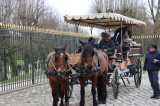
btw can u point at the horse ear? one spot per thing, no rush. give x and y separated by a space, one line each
92 42
82 43
54 48
65 46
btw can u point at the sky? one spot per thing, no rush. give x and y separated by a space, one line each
70 7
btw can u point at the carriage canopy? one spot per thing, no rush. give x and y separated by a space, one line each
103 20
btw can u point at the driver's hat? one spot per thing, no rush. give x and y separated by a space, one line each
104 34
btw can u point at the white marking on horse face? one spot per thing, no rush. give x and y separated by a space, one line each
60 69
61 54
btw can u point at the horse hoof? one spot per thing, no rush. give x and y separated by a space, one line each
99 102
66 104
104 102
95 104
81 104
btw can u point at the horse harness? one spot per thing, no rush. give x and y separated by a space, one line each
55 72
94 69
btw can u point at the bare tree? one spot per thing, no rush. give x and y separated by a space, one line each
153 13
32 13
132 8
29 13
6 10
50 19
97 6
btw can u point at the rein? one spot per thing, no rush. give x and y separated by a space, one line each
54 66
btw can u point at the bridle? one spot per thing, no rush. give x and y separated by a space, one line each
89 50
59 53
55 65
88 53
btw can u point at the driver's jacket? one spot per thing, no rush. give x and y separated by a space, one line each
109 45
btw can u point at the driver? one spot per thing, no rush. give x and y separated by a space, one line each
106 44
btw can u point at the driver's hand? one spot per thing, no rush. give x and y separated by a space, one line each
105 50
155 61
144 72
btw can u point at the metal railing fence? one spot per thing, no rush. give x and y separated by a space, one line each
23 56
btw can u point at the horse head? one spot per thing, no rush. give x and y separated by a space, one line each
87 53
60 58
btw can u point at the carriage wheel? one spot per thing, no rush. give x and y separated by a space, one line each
138 73
115 83
70 88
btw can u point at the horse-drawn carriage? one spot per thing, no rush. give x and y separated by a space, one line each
93 64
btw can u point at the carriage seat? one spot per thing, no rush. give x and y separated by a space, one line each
114 55
74 58
135 49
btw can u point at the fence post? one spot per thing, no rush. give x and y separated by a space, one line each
70 51
31 49
56 40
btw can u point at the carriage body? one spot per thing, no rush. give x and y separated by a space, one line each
114 21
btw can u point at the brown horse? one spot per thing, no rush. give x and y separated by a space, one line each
57 73
93 66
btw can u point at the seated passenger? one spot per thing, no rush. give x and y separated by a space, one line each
125 43
126 35
126 39
106 44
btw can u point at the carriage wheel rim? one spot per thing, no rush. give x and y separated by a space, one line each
115 84
138 75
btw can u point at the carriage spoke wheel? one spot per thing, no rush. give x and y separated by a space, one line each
138 73
115 83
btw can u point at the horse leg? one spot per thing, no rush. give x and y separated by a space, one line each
93 90
66 99
104 89
82 91
66 96
62 94
99 91
54 92
55 98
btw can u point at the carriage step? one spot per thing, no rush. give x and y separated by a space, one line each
119 53
130 55
123 71
112 57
